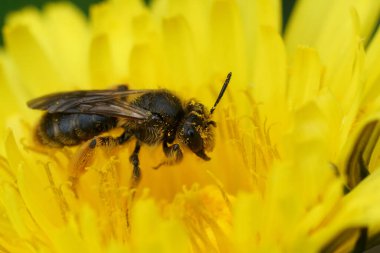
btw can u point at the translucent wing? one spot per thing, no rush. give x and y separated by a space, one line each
102 102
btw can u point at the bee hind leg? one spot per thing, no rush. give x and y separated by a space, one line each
85 155
134 159
135 178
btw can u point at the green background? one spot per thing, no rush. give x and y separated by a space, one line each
7 6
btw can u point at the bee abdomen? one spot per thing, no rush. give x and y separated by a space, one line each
63 129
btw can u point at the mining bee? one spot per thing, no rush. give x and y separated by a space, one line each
150 116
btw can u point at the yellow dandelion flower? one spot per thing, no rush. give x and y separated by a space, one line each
295 165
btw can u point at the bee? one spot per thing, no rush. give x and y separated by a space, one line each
150 116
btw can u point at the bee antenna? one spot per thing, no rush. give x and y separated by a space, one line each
221 92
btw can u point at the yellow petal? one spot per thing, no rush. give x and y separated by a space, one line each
151 233
83 236
112 40
371 70
9 89
269 77
15 209
102 66
34 61
257 15
70 40
358 209
306 23
144 67
358 161
344 79
309 27
248 220
305 77
285 129
181 54
197 23
226 45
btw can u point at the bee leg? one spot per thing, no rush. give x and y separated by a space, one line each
134 159
173 154
122 87
135 178
85 155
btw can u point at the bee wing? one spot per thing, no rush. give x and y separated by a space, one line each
103 102
111 108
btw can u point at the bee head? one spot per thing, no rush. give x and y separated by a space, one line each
197 129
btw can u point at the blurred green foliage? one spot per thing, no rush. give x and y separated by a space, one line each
7 6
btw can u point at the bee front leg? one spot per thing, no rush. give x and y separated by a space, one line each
173 154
